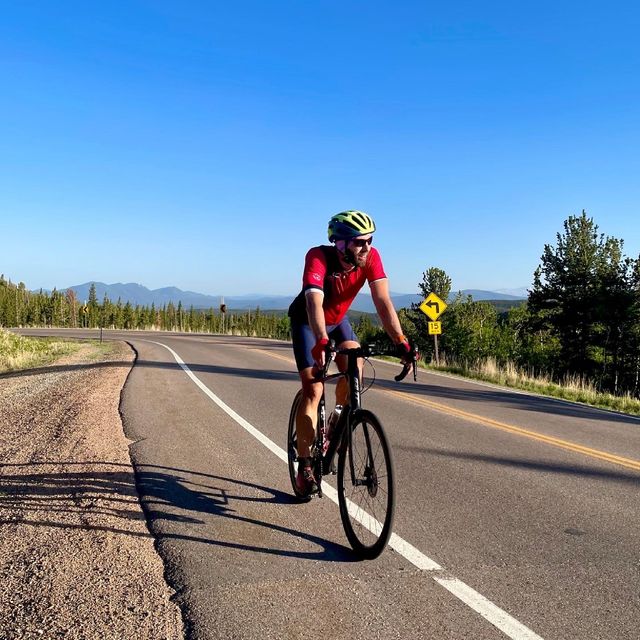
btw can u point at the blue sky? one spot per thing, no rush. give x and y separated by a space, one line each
206 144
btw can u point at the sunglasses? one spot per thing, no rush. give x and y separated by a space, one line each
361 242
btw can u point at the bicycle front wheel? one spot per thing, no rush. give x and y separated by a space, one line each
366 485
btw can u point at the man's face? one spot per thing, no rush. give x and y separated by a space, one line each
359 248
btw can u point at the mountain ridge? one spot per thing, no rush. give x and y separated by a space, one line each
138 294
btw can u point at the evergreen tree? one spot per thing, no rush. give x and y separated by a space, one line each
128 319
581 293
414 322
72 305
435 280
93 316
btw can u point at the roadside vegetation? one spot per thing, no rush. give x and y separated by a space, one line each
571 388
18 352
576 337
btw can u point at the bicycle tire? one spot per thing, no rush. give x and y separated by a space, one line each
366 510
292 448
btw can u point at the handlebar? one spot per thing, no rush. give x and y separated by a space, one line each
366 351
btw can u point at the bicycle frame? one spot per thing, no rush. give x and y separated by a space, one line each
352 374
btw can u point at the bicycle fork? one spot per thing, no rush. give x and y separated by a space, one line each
369 476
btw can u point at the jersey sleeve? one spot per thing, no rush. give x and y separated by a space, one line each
315 270
374 268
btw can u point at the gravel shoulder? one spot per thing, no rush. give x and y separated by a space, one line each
76 557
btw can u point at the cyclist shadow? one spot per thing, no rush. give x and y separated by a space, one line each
180 504
175 495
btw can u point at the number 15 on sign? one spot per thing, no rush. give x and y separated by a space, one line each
435 328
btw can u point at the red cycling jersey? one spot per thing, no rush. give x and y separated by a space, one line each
324 272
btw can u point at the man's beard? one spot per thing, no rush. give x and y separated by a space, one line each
348 256
358 260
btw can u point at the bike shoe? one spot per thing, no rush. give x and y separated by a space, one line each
305 480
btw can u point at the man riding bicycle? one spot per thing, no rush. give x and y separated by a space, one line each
332 277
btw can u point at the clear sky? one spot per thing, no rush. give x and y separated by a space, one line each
206 144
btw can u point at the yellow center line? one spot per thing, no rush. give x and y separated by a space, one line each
556 442
629 463
275 355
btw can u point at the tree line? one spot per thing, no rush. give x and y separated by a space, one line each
581 319
20 307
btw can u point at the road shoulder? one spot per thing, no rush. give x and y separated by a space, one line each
76 557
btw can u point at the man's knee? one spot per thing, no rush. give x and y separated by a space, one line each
311 387
341 361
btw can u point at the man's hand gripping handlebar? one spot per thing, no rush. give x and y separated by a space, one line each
410 360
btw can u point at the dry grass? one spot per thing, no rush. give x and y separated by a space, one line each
18 352
573 388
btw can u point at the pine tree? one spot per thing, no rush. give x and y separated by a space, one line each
583 293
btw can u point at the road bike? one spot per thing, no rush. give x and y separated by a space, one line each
366 492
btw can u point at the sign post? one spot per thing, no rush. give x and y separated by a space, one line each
433 307
223 312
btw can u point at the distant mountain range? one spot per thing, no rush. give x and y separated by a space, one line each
137 294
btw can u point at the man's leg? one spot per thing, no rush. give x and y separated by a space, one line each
306 424
345 338
307 418
342 387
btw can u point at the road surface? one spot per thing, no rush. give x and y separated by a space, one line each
517 516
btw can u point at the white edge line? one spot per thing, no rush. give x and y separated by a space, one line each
489 611
481 605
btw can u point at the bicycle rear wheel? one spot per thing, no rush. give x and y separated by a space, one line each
292 447
366 486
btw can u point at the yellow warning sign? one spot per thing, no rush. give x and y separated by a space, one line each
433 306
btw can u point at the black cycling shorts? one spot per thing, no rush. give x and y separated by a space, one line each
304 339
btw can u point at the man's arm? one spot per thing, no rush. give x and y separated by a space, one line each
315 312
386 310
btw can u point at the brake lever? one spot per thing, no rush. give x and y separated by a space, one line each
408 366
403 374
330 356
415 363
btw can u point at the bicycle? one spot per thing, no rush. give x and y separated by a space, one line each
366 492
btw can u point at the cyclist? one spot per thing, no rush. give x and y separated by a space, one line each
332 277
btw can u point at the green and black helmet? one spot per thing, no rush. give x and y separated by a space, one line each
350 224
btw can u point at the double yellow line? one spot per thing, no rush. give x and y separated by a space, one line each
629 463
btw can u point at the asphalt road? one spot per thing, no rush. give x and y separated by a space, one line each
524 512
